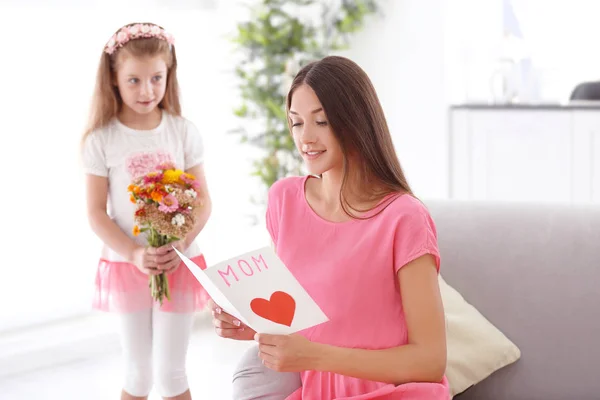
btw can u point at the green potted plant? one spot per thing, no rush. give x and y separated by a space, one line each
278 39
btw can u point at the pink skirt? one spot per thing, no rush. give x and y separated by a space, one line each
122 288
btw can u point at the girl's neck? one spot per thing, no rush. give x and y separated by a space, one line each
142 122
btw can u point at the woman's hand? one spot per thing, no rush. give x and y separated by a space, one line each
228 326
288 353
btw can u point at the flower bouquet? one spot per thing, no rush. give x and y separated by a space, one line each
166 200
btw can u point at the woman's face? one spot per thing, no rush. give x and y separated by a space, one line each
312 133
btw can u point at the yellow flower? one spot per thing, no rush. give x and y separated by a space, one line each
136 230
171 176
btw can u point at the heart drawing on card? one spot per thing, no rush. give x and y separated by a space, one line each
280 308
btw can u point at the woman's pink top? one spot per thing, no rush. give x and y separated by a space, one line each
350 270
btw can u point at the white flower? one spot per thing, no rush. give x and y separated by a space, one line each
169 188
191 193
155 30
178 220
134 30
145 29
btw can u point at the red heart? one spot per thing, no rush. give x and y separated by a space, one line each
280 309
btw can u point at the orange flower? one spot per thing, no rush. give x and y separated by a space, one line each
136 230
157 196
132 199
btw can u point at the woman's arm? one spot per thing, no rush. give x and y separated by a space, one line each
423 359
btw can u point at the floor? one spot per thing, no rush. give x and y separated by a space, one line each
210 364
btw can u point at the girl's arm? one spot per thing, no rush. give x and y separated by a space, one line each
203 212
423 359
100 222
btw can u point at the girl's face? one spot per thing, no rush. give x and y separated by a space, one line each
312 133
142 82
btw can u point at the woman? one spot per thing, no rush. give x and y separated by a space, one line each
362 246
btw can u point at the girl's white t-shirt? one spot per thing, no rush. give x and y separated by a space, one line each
121 154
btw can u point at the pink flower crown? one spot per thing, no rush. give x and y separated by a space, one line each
137 31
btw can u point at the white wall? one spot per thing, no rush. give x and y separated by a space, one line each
403 53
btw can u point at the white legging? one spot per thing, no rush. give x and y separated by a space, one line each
155 341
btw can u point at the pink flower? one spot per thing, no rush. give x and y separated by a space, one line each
170 38
168 204
192 182
155 30
135 29
123 35
153 177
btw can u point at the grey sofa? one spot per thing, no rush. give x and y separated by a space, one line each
533 270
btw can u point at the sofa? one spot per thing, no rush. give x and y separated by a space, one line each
533 271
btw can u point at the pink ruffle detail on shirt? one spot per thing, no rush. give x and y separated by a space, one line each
122 288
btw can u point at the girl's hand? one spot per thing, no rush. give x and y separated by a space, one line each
145 259
288 353
227 326
168 260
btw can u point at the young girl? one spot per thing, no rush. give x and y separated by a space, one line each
363 247
135 125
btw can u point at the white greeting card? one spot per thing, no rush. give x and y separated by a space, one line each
259 290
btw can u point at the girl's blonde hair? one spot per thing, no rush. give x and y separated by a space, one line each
106 101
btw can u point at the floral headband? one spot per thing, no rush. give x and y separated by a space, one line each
137 31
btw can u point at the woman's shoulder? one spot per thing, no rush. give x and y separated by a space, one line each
405 207
288 187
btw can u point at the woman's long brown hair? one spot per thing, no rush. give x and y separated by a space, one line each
356 117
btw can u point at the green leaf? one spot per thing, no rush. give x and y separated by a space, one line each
267 41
